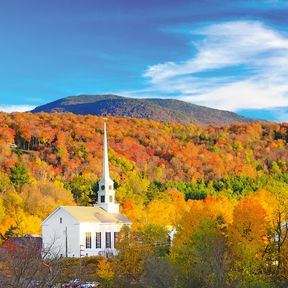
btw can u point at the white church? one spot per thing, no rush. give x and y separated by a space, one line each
77 231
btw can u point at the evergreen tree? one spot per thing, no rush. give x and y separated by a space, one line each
19 175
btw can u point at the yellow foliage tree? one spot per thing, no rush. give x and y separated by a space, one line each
104 270
2 210
248 239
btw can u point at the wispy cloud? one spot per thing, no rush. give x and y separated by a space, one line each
16 108
237 65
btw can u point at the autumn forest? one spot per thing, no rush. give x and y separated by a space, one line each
225 189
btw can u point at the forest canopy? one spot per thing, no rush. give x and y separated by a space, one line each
225 190
58 157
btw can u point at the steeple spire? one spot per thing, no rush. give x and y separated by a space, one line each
106 193
105 156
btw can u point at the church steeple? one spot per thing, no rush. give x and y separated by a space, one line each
106 193
105 156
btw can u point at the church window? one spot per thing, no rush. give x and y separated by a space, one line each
110 198
88 240
98 239
110 187
60 219
115 238
108 239
103 187
102 199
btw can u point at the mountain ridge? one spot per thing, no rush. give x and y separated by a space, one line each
158 109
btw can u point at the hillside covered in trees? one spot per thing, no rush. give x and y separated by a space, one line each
224 188
162 110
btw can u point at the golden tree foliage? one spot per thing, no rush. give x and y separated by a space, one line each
104 270
2 210
248 237
25 211
208 209
249 227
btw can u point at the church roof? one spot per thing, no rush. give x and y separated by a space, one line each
94 214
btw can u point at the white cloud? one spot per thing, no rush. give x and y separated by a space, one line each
259 52
16 108
240 95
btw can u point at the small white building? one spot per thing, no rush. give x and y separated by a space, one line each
77 231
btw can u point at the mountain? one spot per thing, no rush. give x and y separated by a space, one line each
162 110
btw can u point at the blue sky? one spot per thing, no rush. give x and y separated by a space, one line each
230 55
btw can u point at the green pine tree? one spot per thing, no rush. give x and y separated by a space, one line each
19 175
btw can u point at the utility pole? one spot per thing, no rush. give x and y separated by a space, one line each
66 241
80 260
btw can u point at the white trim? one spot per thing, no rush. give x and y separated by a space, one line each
51 214
55 211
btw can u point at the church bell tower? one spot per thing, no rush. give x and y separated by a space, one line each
106 193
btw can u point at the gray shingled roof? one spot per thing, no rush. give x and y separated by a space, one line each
94 214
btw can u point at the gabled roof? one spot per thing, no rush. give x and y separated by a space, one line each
92 214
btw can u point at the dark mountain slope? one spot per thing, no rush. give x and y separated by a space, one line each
162 110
